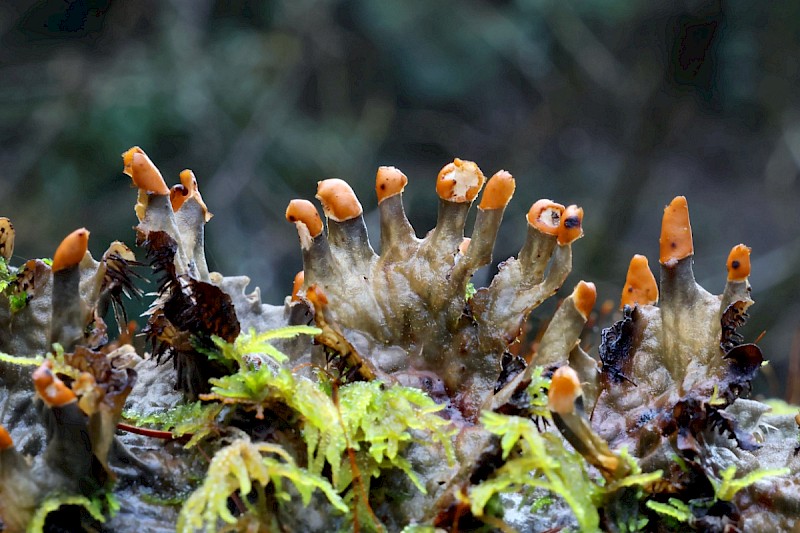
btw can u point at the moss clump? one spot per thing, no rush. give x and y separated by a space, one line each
242 467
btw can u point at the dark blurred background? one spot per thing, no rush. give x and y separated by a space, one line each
616 105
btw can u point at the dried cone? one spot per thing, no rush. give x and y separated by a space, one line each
640 284
71 250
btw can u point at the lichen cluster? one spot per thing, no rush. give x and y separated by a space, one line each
386 393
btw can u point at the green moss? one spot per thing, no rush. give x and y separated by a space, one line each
357 430
17 302
677 512
554 469
165 501
259 344
60 366
200 420
366 417
541 503
235 468
780 407
726 487
675 509
98 508
540 460
379 421
470 291
6 276
21 360
537 394
414 528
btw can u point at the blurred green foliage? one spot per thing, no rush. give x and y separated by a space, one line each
617 105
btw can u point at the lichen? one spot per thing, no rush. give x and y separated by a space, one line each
410 309
386 392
